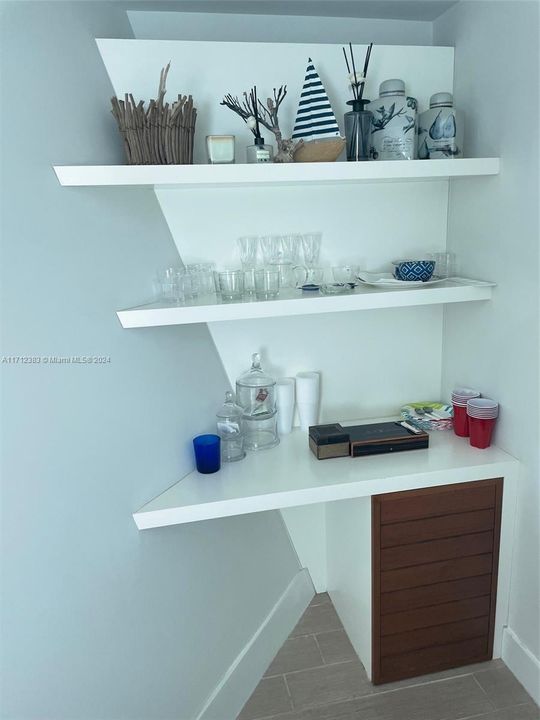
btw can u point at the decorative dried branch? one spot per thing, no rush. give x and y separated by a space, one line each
162 134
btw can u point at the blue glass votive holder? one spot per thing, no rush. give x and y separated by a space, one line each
207 453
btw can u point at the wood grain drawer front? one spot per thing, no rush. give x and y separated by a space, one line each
435 550
434 615
451 499
433 659
445 526
429 637
426 595
435 559
436 572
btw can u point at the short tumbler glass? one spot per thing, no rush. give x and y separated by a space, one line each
266 284
231 285
207 453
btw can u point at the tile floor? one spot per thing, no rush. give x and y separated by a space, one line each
317 676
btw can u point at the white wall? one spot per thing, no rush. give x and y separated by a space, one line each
99 620
277 28
493 228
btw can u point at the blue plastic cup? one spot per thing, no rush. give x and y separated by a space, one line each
207 453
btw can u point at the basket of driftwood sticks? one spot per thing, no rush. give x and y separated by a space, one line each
161 134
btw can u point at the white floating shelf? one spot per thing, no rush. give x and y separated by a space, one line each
273 174
294 302
289 475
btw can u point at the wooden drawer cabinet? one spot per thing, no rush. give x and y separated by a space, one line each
435 558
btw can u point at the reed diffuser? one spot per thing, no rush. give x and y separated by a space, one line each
358 119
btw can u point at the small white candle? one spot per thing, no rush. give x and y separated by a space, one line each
220 149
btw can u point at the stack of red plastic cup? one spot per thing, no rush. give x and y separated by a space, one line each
460 397
482 415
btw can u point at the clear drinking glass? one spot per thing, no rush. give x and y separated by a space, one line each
231 285
271 249
249 280
266 284
287 276
169 285
445 264
290 248
311 242
248 246
345 274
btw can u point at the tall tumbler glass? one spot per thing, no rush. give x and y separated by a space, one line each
358 130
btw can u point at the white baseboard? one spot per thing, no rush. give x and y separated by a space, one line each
523 664
243 676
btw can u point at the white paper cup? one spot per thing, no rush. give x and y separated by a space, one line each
307 388
308 414
285 392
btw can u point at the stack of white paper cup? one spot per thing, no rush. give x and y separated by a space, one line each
307 398
285 404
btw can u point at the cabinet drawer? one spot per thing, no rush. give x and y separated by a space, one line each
444 526
426 595
438 635
433 502
428 660
436 572
434 550
434 615
435 559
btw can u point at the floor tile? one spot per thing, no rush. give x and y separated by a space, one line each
297 653
328 684
518 712
502 688
269 698
316 619
335 646
320 599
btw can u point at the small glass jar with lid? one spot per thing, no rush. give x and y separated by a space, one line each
230 430
256 395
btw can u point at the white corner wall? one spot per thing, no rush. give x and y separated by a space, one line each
97 619
493 229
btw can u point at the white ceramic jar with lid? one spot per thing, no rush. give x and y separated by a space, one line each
440 129
393 127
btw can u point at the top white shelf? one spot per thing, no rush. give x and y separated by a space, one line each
273 174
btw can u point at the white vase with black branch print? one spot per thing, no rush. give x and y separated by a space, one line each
393 128
440 129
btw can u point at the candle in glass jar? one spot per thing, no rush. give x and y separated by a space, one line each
220 149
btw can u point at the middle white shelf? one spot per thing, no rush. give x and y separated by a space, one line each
294 302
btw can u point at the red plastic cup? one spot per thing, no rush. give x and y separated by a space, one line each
461 421
480 431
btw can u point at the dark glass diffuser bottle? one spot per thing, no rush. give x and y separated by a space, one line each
358 130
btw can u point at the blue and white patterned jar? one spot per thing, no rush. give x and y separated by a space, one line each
440 129
393 128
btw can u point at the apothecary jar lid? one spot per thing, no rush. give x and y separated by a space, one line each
441 99
255 376
229 410
392 87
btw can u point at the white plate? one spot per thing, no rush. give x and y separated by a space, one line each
388 280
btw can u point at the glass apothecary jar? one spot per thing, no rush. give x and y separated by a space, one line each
256 395
230 429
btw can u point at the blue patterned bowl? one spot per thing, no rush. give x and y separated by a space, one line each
413 270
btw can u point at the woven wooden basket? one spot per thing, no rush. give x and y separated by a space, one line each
326 150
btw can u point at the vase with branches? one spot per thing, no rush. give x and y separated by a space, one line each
254 113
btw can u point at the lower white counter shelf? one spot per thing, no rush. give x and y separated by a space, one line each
289 475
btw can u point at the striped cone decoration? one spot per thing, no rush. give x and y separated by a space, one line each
315 118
